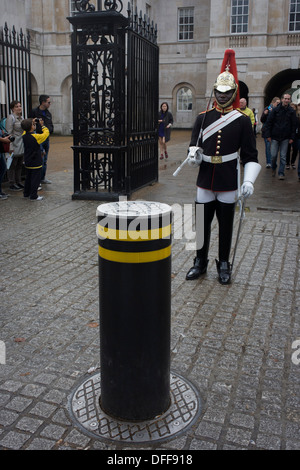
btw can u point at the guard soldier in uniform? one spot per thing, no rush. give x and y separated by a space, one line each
217 137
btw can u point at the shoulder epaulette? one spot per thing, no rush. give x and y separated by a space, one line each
206 111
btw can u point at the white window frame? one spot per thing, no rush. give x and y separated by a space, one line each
148 10
239 17
72 7
186 23
184 99
294 16
133 5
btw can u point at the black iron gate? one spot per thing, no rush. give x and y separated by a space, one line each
15 80
115 99
142 111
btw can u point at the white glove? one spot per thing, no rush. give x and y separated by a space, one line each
194 156
247 189
251 172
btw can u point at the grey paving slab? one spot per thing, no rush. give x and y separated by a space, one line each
237 344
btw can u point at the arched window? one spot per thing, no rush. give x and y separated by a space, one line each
184 99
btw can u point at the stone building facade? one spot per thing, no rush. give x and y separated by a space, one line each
192 38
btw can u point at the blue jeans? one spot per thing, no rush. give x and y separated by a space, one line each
2 168
268 151
45 148
282 147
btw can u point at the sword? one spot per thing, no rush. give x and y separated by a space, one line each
241 202
180 167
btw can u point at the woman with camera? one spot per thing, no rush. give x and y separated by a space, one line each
13 127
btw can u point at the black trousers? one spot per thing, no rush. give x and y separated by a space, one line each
292 149
225 215
32 182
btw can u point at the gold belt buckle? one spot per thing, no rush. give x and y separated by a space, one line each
216 159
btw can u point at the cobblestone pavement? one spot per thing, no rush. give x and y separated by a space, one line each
238 344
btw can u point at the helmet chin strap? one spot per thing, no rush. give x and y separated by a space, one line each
229 102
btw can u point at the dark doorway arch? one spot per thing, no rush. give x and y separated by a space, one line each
244 90
281 83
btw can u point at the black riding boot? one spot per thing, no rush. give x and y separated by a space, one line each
225 215
201 261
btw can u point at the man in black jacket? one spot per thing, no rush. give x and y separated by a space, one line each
42 112
280 130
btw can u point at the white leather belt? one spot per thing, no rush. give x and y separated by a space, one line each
220 158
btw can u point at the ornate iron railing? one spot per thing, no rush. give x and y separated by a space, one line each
115 99
15 69
87 6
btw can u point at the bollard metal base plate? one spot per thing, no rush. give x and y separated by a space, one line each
85 411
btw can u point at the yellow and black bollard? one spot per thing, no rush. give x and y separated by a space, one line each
134 242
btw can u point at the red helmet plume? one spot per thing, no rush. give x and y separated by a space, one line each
229 65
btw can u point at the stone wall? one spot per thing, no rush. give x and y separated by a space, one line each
267 56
